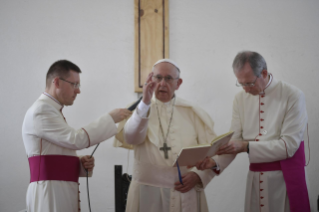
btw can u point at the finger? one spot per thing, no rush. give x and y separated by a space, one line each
224 146
222 152
203 166
150 86
177 183
198 164
84 158
89 167
178 188
149 77
88 164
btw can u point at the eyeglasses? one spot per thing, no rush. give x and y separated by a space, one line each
250 84
75 85
168 79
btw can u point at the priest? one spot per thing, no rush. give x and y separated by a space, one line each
157 130
269 120
51 143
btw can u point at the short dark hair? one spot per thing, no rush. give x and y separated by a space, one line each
61 68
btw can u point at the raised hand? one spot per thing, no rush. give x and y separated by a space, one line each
190 179
120 114
148 89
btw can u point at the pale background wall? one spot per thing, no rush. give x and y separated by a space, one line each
98 36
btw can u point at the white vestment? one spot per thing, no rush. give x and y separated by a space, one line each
152 186
274 123
45 132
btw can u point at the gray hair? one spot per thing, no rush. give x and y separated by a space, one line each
255 60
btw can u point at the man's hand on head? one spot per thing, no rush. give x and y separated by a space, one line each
87 162
120 114
233 147
148 89
190 179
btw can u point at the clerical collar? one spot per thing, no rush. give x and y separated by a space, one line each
270 80
54 99
164 103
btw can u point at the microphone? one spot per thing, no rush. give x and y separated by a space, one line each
134 105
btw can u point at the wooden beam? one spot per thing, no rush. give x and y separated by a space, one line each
151 37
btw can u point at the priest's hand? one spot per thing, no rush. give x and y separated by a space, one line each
148 89
190 179
120 114
87 162
233 147
207 163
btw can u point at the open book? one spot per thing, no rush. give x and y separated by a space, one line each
189 156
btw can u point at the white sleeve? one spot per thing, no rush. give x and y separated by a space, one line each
135 129
142 109
50 125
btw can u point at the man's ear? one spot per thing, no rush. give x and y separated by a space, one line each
264 73
56 82
179 82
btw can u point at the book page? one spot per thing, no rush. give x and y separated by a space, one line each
189 156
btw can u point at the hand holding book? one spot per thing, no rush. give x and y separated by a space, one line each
190 156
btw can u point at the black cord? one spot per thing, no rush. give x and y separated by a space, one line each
131 108
87 188
87 179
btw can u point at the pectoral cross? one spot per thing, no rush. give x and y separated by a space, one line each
165 149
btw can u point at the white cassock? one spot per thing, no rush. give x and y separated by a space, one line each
46 132
152 186
274 123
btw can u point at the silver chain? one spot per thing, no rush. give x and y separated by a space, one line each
169 124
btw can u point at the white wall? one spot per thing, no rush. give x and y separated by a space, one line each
205 35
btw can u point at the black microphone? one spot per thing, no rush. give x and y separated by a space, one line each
133 106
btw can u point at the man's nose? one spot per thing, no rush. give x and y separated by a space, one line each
77 90
163 82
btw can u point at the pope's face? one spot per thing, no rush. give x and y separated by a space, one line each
164 91
67 92
246 75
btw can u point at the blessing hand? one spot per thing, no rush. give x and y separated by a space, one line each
190 179
148 89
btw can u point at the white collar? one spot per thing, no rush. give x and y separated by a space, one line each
270 80
54 99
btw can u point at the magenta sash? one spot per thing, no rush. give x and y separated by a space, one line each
54 167
293 170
